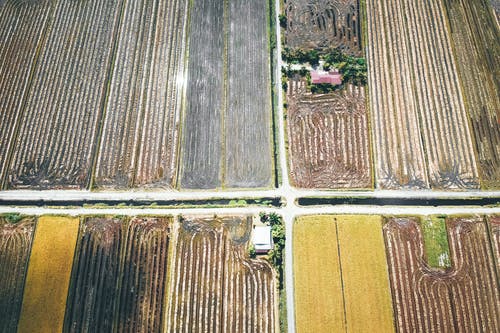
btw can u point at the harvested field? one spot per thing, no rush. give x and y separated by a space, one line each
55 149
494 227
248 121
476 38
341 278
15 246
140 132
202 125
421 130
214 287
22 26
464 298
119 277
227 131
48 275
328 138
316 24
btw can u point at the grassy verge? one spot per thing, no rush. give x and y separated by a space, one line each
435 238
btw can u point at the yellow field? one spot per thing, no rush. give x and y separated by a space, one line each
352 292
318 288
364 273
49 271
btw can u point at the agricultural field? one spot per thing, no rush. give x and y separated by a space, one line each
16 238
214 286
420 122
138 147
314 24
48 276
22 29
463 298
340 275
55 149
140 274
476 40
226 138
328 138
119 276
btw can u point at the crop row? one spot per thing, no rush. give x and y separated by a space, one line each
214 287
422 136
15 246
100 87
476 40
328 138
226 137
140 132
464 298
119 276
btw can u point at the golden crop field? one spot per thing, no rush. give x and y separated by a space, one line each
318 292
341 272
49 272
364 274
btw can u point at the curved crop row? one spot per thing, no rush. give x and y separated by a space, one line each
15 246
214 287
324 24
464 298
119 276
328 138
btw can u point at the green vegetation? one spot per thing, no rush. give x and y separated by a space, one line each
12 217
436 241
276 258
353 69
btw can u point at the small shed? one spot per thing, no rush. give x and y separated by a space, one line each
262 239
332 77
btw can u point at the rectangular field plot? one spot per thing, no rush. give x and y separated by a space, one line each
463 298
16 238
140 133
420 124
340 275
328 138
313 24
476 38
59 126
48 275
226 139
119 276
214 286
22 27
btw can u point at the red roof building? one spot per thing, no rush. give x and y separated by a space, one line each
332 77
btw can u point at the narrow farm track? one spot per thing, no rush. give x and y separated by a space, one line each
22 30
476 39
328 137
119 276
15 246
248 120
419 115
213 286
202 125
462 299
494 228
54 148
140 133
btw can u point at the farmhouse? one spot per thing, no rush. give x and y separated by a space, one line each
262 240
331 77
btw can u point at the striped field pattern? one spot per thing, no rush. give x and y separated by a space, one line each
421 128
